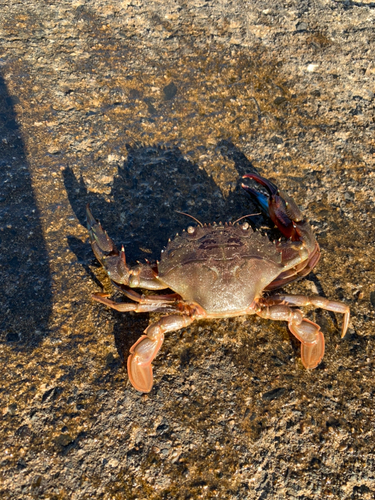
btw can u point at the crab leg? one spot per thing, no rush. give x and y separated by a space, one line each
307 332
141 306
146 348
317 301
297 272
114 262
133 295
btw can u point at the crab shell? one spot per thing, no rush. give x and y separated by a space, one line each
222 268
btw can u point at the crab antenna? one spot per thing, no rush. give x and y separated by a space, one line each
188 215
248 215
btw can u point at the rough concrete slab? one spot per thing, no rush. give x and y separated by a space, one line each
145 108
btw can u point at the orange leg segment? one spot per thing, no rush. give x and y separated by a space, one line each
317 301
307 332
144 351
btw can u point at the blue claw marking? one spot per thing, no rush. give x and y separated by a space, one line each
260 198
280 207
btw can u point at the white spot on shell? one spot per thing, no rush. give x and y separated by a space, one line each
191 230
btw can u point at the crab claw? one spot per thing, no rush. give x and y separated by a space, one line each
282 209
105 250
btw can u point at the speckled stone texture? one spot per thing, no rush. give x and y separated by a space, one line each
142 108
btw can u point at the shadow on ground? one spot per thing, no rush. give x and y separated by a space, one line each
150 187
25 282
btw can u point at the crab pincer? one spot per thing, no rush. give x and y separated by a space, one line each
114 261
105 250
285 214
281 208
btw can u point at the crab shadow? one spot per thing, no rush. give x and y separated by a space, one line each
140 213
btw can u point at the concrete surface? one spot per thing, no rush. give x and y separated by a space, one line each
144 108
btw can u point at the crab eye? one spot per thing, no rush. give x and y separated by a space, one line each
245 226
191 230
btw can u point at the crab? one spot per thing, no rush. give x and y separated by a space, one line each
220 271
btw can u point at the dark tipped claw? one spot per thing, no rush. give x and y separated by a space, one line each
91 221
270 186
282 209
100 240
105 250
